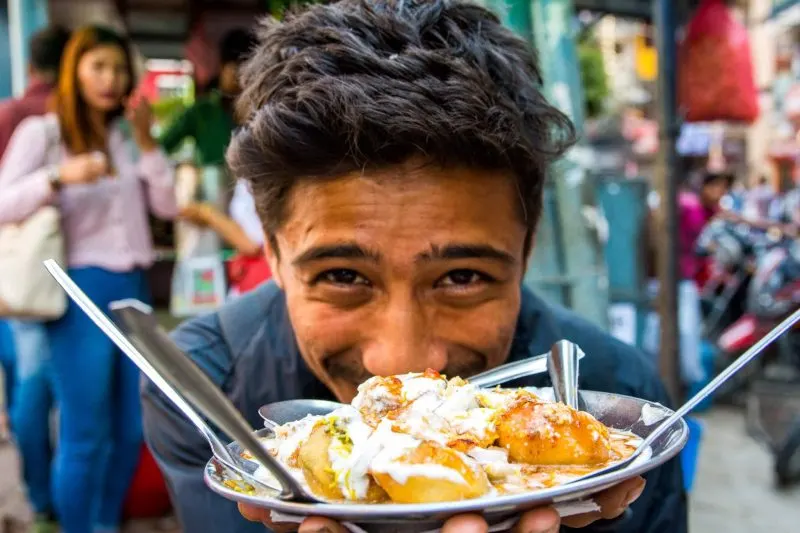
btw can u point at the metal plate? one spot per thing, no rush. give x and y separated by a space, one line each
616 411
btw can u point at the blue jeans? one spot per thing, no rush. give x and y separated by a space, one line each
32 405
7 363
97 387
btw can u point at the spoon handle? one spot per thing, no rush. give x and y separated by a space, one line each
510 371
111 330
686 408
165 356
164 377
562 364
733 368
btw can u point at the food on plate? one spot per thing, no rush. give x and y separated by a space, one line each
421 438
545 433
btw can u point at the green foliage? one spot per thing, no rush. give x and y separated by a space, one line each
593 75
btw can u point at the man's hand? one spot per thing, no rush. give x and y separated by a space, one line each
613 502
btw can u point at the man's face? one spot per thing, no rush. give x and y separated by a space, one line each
401 270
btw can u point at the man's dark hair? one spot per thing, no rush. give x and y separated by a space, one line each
46 48
363 84
236 46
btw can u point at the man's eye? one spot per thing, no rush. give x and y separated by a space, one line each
463 277
342 276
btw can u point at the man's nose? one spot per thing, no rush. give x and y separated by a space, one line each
403 342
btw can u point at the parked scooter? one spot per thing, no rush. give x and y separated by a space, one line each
735 250
771 388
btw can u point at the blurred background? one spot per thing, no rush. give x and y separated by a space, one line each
672 98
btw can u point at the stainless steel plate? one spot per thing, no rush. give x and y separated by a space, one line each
616 411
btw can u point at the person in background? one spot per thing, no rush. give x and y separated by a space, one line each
242 230
210 122
399 225
45 49
759 199
696 207
103 189
29 377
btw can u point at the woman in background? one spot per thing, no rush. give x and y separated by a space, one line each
103 181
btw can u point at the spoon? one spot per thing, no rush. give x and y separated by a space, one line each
219 449
562 364
151 349
695 400
278 413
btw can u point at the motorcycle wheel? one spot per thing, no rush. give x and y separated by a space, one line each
787 458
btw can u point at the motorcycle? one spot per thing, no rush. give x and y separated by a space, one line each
771 384
735 250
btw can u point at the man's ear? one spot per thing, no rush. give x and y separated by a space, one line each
272 259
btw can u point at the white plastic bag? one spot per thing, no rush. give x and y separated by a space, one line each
199 283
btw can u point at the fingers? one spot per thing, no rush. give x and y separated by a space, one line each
612 502
539 521
254 514
466 523
321 525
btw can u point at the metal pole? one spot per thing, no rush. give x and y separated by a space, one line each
666 180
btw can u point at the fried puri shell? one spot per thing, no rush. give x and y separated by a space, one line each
431 489
314 460
538 433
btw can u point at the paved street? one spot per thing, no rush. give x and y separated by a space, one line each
733 490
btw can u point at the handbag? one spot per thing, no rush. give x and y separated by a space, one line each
27 290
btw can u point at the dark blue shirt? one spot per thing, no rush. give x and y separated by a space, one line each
248 349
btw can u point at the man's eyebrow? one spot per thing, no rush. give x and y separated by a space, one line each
335 251
467 251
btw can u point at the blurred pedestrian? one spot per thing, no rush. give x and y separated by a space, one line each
45 49
30 389
211 120
759 199
698 203
103 181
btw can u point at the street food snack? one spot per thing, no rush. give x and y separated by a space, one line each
421 438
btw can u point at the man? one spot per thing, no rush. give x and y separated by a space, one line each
210 121
397 152
46 47
32 400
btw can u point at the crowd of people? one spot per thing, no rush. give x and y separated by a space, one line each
80 139
397 156
706 197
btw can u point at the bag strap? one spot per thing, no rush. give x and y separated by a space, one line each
52 138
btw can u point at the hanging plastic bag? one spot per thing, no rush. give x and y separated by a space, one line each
199 279
715 69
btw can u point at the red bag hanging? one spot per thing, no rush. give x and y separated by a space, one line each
715 69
